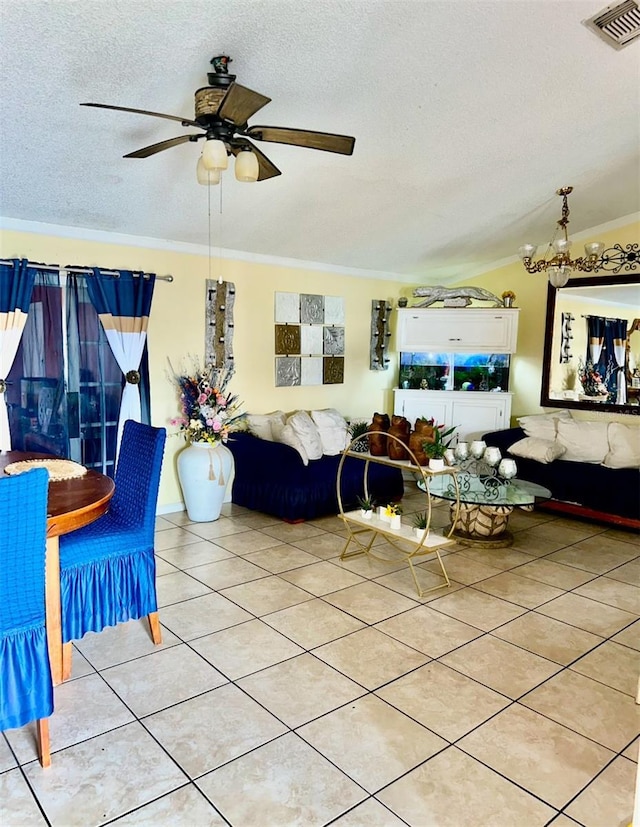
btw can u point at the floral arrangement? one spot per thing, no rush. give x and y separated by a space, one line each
393 510
209 412
592 382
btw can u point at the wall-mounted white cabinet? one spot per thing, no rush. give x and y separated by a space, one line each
472 413
457 330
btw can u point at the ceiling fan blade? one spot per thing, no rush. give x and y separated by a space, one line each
266 167
326 141
240 104
183 121
153 148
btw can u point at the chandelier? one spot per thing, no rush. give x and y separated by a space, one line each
561 265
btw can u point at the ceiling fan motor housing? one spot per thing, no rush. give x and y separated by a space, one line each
208 100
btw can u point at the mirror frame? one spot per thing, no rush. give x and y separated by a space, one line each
545 400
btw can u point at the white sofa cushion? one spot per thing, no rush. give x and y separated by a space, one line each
305 429
541 450
332 427
585 441
543 426
624 446
260 425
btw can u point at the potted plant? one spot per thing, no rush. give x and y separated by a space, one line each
420 525
435 450
393 512
366 507
356 430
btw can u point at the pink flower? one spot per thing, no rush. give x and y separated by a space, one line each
202 398
217 426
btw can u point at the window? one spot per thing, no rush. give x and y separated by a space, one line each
64 390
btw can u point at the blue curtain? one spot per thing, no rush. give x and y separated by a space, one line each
16 286
615 340
606 340
123 305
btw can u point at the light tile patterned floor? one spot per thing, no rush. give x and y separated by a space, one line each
293 689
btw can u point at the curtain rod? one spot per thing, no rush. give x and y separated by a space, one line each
83 270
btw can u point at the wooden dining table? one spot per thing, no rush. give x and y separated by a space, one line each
71 504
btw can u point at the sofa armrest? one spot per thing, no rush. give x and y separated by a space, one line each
504 439
260 457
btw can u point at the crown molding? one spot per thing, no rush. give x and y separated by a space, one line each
122 239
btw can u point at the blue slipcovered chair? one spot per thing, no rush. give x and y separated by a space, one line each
107 568
26 690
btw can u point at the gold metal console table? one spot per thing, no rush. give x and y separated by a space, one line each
430 543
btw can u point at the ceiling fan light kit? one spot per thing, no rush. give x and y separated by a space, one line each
205 176
561 265
247 167
214 154
222 110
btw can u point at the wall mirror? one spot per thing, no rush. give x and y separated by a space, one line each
584 320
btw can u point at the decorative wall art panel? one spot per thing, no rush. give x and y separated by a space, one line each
333 370
311 340
380 333
334 310
287 339
219 302
333 341
287 371
311 327
311 371
287 308
311 309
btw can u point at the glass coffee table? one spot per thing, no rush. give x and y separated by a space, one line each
486 504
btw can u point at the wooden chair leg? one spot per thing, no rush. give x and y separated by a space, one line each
67 654
44 747
154 628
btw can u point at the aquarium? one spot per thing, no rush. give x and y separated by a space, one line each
455 371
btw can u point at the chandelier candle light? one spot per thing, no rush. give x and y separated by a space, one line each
561 265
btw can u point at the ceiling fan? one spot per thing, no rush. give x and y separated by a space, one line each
222 110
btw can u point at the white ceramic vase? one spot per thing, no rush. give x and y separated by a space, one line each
204 472
420 533
395 522
436 464
366 513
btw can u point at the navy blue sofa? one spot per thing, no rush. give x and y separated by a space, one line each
272 478
583 489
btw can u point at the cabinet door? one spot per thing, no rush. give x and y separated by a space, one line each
415 404
476 416
457 331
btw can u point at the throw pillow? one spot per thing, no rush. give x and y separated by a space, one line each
585 441
624 446
543 426
306 431
287 436
541 450
332 427
260 425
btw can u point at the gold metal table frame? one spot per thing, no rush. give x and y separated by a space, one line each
356 525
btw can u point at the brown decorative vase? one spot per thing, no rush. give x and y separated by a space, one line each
400 428
423 432
378 441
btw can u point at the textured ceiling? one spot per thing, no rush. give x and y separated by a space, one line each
467 114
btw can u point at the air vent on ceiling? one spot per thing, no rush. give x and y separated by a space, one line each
618 25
